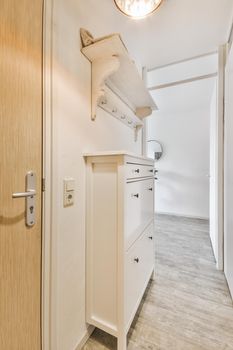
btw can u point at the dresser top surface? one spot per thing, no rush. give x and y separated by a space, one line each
116 153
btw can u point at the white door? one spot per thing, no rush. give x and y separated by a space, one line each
228 188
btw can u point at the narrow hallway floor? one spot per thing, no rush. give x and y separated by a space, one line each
188 306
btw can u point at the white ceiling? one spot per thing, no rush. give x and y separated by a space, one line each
194 95
184 70
185 98
179 29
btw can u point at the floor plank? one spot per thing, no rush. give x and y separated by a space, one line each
188 306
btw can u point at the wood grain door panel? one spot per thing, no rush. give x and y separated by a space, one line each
21 151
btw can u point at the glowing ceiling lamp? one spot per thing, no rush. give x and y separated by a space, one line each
138 8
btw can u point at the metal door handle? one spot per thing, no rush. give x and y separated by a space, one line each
29 193
29 196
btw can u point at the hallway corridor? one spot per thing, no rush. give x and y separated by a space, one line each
188 307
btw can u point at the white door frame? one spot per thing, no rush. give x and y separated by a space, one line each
47 224
227 185
220 159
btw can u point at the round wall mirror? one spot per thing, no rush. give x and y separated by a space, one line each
155 149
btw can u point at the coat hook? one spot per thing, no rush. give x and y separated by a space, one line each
104 102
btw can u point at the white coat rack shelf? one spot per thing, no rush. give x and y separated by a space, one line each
117 86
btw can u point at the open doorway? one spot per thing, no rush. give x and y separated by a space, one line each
188 126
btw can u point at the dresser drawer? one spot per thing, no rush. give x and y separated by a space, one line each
136 170
139 208
139 264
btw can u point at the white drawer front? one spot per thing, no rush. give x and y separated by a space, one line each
136 171
139 209
149 241
139 264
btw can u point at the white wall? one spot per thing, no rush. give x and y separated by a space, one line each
73 134
183 185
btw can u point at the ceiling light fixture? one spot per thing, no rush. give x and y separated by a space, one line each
137 8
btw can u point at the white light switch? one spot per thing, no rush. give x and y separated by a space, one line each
68 195
70 184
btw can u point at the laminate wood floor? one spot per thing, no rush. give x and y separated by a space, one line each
188 306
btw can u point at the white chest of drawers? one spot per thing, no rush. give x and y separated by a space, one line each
120 239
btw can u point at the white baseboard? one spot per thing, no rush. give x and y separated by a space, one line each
85 338
183 215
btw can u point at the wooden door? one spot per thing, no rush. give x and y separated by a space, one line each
20 152
228 174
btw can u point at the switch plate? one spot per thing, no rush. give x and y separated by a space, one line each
69 184
68 195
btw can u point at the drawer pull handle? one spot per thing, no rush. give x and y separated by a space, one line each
136 260
150 189
137 171
151 238
135 195
156 178
151 170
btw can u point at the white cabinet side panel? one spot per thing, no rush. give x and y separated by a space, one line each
103 242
